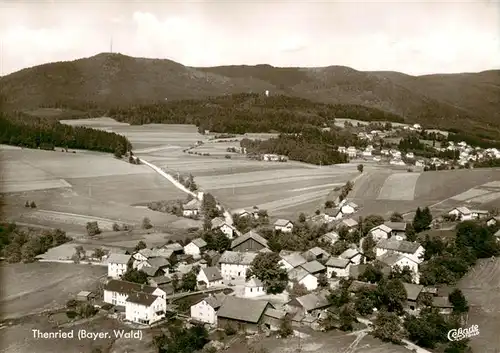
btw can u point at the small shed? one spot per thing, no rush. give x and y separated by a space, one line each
84 296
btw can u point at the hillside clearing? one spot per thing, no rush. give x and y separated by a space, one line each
399 186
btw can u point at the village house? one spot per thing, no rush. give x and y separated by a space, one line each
310 304
410 155
330 237
398 230
242 314
338 266
209 277
206 309
192 208
333 214
242 213
253 288
154 266
116 292
353 255
162 282
301 276
220 224
144 308
176 248
349 223
289 261
394 260
117 265
493 221
351 152
349 208
412 250
195 247
413 292
380 232
143 255
356 286
283 225
315 253
466 214
273 318
235 264
341 149
420 163
250 241
314 267
443 305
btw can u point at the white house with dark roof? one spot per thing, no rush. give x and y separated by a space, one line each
339 266
116 292
462 213
253 288
330 237
493 221
283 225
300 275
398 230
192 208
195 247
117 265
380 232
289 261
220 224
206 309
210 276
311 303
412 250
353 255
235 264
315 253
153 265
333 214
144 308
314 267
395 260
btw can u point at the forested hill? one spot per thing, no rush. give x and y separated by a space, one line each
242 113
467 102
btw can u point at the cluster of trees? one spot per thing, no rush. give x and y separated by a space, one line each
266 267
77 309
248 112
245 224
19 129
18 245
179 339
188 182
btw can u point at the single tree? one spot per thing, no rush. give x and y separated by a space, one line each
371 274
140 245
267 268
93 228
98 253
396 217
403 274
392 294
322 280
286 328
189 281
27 204
116 227
347 317
146 223
367 246
136 276
32 204
459 302
387 327
360 168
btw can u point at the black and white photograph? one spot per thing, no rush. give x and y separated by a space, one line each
249 176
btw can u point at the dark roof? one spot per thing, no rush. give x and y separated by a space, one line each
276 314
212 273
199 242
127 287
167 287
237 258
413 290
215 300
161 280
390 258
150 271
159 262
441 302
313 301
333 212
294 259
398 245
358 285
141 298
397 226
242 309
313 267
250 235
337 262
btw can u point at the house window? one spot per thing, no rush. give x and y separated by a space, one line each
113 301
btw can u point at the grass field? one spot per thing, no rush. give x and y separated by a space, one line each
35 287
481 286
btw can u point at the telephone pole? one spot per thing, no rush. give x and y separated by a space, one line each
111 45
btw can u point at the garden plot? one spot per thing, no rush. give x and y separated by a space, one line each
470 194
487 198
399 186
68 218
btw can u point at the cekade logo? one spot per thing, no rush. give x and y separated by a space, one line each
463 333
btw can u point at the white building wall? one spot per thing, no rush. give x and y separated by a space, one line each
135 312
116 270
227 230
310 282
285 264
379 234
347 209
356 260
415 257
192 249
233 270
341 272
252 292
189 213
204 313
284 229
115 298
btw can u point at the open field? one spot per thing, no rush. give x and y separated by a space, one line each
399 186
480 286
93 186
41 286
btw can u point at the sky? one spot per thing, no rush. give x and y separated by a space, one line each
416 38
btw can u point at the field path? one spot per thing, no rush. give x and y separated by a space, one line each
227 214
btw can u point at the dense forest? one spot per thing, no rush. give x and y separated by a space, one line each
310 146
242 113
20 129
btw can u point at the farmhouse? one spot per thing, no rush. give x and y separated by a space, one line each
412 250
176 248
292 260
466 214
195 247
493 221
333 214
395 260
311 303
314 267
254 288
283 225
353 255
330 237
242 314
235 264
300 275
144 308
210 277
351 151
443 305
273 318
412 294
154 265
219 223
192 208
349 223
242 213
250 241
398 230
163 282
117 265
206 309
349 208
316 253
380 232
339 266
116 292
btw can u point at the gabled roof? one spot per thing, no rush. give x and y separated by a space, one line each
349 253
241 309
265 250
159 280
463 210
199 242
397 226
276 314
333 212
141 298
240 211
159 262
212 273
215 300
349 222
174 247
150 271
282 222
413 290
381 227
194 204
317 251
297 274
294 259
313 301
250 235
398 245
125 287
218 222
118 259
337 262
237 258
390 258
441 302
313 267
358 285
254 282
330 237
